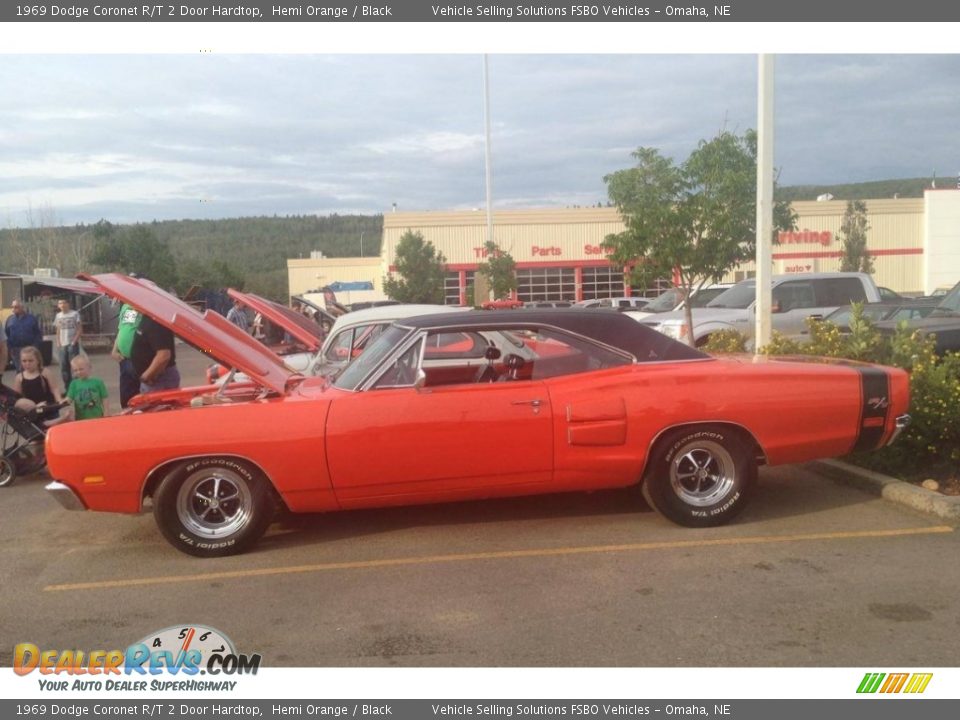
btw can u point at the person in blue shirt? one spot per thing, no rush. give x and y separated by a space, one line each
22 330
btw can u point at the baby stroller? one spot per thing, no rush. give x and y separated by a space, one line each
22 433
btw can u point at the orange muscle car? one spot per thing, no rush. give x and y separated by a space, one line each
577 400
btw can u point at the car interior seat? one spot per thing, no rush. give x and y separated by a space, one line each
514 363
489 373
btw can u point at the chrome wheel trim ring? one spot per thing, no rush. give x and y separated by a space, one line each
702 473
214 503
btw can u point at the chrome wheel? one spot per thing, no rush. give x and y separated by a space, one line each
214 502
8 472
702 473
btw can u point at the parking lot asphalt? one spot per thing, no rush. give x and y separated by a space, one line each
814 573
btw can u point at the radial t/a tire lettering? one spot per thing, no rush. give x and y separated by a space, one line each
700 476
213 506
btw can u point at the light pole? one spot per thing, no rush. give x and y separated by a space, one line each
486 147
764 221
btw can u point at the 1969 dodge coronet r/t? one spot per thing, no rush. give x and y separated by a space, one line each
434 410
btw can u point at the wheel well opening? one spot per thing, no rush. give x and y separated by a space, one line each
157 475
741 432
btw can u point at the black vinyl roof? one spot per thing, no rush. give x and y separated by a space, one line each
605 326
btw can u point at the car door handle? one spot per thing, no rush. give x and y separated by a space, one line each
535 404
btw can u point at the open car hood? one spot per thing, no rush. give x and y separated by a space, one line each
304 330
209 331
324 313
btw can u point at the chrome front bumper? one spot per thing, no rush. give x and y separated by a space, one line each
900 424
65 496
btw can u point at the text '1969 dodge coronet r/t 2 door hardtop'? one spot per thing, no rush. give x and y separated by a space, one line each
460 406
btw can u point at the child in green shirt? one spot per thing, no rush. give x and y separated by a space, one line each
88 394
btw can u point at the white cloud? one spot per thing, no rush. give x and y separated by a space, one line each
433 143
140 136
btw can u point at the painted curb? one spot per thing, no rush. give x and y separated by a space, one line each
889 488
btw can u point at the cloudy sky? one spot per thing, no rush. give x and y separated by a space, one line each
142 137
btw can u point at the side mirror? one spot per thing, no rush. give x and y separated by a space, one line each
421 380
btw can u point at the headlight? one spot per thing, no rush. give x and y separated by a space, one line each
675 331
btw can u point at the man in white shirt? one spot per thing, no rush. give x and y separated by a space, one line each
68 332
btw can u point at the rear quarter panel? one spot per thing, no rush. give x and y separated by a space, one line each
796 412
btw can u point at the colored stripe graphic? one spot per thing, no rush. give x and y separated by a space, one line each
870 682
918 683
894 683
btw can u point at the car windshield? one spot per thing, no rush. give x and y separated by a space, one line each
740 296
950 305
843 316
704 296
665 301
354 373
840 316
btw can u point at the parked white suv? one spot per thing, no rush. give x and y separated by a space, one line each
621 303
795 298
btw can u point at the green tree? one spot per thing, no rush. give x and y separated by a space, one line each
138 250
853 238
216 274
695 221
421 270
499 270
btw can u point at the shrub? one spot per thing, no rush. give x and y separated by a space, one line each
724 342
931 445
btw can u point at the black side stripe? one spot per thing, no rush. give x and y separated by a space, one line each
875 391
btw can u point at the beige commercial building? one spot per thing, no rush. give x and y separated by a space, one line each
915 244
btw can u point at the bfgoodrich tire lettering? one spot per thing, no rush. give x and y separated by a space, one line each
700 476
211 507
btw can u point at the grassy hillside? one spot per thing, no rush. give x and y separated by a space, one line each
908 188
255 248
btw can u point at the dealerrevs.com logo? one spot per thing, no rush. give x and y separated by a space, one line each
180 650
890 683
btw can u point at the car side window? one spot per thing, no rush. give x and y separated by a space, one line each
401 372
794 296
839 291
364 336
339 349
454 345
348 344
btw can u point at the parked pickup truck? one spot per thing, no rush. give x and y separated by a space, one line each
795 298
943 323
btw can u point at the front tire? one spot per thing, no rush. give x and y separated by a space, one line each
700 476
213 507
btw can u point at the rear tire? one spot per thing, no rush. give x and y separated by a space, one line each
700 476
213 506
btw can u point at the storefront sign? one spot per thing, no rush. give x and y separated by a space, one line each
805 237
